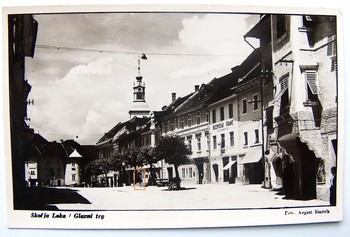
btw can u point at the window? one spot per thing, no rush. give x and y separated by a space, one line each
182 122
222 114
244 106
189 142
333 64
190 172
207 116
73 177
198 117
208 141
313 89
245 134
139 96
256 135
332 52
332 46
32 172
165 127
189 120
213 115
183 172
223 140
73 168
281 26
255 102
230 111
215 144
199 142
232 138
283 95
172 125
73 164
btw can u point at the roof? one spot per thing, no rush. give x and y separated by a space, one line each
139 106
75 154
123 129
260 29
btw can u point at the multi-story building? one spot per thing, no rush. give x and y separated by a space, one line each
22 33
188 118
236 125
304 135
60 163
223 130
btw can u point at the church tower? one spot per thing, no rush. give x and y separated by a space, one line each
139 107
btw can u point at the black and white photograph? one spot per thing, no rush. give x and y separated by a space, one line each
160 117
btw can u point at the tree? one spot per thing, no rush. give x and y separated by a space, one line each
133 157
149 158
173 150
101 166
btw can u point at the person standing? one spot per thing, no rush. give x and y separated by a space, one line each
333 187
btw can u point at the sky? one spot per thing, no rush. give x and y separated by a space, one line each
81 93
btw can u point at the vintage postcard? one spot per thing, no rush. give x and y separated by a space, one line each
172 116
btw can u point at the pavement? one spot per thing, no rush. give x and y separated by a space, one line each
208 196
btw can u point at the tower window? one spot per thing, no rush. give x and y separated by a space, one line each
139 96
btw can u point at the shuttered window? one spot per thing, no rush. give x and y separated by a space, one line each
283 88
311 78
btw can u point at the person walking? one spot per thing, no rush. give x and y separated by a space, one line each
333 187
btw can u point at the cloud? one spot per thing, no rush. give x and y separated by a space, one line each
85 94
72 105
216 34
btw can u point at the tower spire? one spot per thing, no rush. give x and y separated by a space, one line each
139 106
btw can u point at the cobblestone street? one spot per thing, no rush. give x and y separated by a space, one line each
210 196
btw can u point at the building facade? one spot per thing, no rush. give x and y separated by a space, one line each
189 120
303 140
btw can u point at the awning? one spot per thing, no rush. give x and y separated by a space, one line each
229 164
252 156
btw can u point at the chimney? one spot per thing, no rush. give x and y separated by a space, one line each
173 97
196 87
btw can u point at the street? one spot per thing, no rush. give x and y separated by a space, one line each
210 196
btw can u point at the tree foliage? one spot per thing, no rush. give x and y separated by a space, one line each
173 150
133 157
101 166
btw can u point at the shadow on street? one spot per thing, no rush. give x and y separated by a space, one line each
41 198
181 189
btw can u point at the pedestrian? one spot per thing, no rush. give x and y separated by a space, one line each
333 187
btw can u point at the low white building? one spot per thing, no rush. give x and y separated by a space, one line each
72 174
